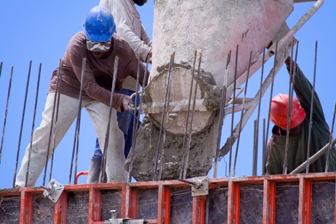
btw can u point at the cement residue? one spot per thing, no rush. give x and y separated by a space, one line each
145 152
180 97
208 89
11 190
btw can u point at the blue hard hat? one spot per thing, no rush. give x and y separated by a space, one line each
99 24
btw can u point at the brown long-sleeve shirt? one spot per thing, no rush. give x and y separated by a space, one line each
98 72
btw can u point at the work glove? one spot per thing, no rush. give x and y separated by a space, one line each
126 103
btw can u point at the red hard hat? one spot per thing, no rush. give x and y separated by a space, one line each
279 111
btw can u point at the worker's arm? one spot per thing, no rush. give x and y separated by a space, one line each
145 37
125 28
75 53
303 90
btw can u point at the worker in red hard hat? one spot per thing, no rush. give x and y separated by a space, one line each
298 129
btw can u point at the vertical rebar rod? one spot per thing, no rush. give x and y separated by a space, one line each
241 114
52 123
166 114
133 143
187 118
289 111
162 121
275 62
77 128
263 158
221 115
33 122
0 71
135 118
233 106
255 157
192 118
107 135
255 146
6 110
22 122
58 95
330 138
311 109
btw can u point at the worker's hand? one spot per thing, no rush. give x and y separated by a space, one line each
149 57
126 103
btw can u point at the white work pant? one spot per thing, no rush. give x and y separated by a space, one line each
67 113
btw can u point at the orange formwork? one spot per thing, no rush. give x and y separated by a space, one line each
298 198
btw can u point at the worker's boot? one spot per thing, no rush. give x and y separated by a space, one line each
94 171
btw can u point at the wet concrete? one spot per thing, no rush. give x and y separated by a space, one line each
144 153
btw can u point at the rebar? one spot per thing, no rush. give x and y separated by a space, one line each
0 71
133 143
107 135
330 137
255 153
187 118
6 110
33 122
162 121
135 119
58 95
192 117
22 122
233 106
275 61
221 114
255 148
52 123
311 109
252 105
263 158
166 111
77 128
241 114
289 111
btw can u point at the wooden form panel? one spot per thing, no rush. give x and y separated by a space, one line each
225 195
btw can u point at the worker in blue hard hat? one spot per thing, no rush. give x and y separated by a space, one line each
100 46
130 28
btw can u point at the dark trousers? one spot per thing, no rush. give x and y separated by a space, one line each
125 123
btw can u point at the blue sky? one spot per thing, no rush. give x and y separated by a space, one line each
40 30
